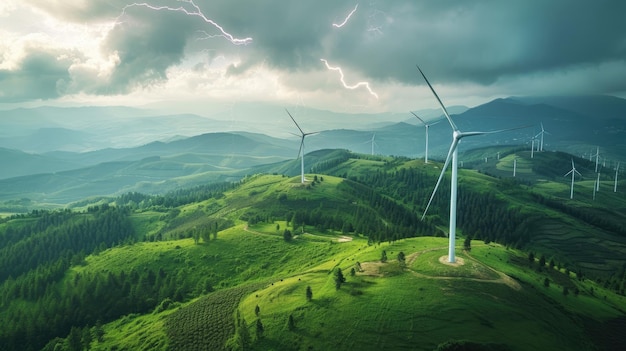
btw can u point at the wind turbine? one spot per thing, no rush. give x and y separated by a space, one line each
616 172
543 131
301 151
457 135
597 155
573 171
426 125
373 143
514 165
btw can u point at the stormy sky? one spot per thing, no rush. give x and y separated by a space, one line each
189 54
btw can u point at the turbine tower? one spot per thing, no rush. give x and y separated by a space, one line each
573 171
616 173
597 155
425 126
373 143
543 131
301 151
457 135
514 165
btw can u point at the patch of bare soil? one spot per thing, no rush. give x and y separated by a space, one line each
371 268
459 261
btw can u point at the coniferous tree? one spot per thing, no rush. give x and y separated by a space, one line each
339 278
259 329
291 324
309 293
287 235
401 258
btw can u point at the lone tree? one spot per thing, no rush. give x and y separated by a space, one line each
339 278
259 329
291 324
401 258
287 235
467 244
383 257
309 293
257 310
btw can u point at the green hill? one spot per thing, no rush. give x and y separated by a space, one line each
187 270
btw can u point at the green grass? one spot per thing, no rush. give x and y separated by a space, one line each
418 307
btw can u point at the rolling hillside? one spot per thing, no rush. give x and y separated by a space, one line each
192 266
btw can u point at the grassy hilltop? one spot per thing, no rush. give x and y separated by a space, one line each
228 266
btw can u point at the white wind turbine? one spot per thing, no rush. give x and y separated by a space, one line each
301 151
514 165
573 171
597 155
616 173
373 143
543 131
457 135
425 126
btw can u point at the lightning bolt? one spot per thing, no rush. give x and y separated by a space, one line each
339 25
197 12
345 85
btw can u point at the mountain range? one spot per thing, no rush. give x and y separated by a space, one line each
64 154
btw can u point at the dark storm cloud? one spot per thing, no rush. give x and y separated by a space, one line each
147 44
482 42
41 74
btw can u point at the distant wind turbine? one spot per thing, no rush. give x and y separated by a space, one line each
597 156
514 165
543 131
426 125
301 151
616 173
373 143
573 171
457 135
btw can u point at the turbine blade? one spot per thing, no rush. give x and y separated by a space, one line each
421 120
568 173
453 146
301 145
294 121
465 134
445 112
